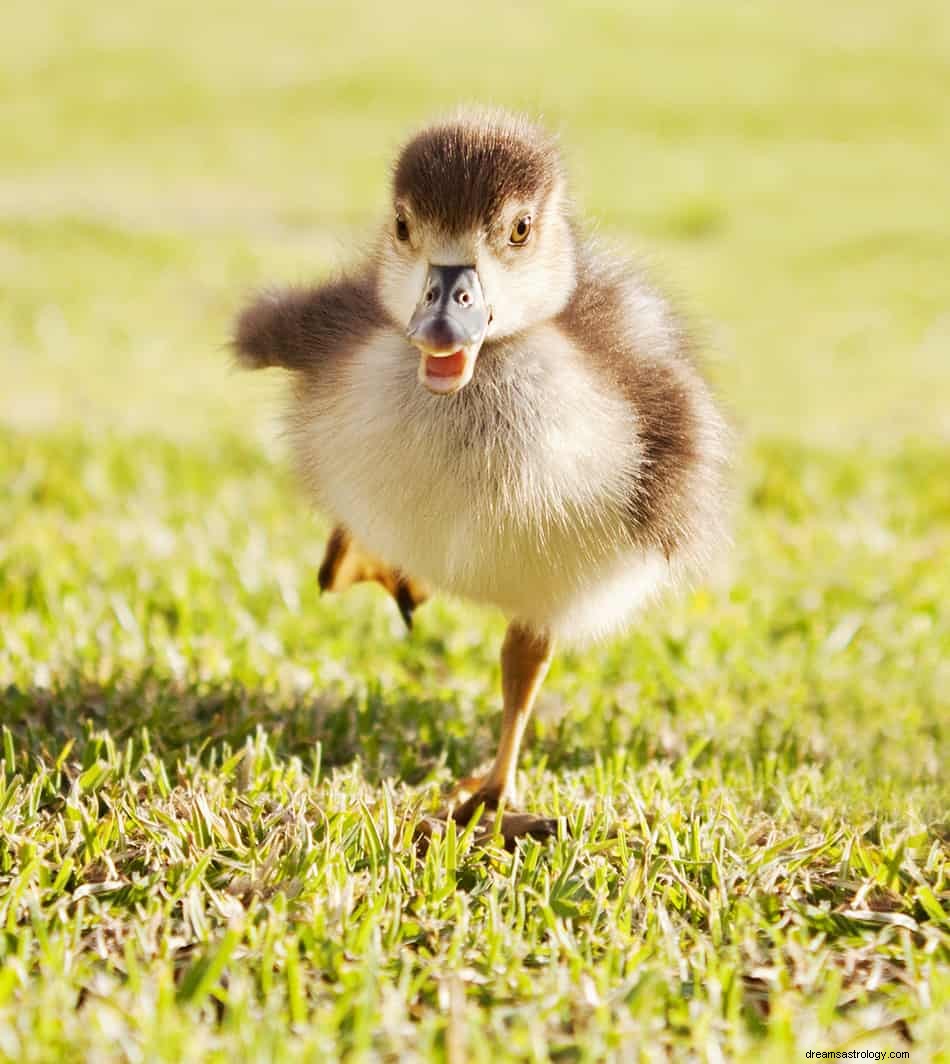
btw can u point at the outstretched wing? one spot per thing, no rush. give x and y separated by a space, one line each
301 328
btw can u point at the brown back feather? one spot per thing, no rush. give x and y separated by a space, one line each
658 385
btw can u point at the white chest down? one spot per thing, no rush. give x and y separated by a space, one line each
510 492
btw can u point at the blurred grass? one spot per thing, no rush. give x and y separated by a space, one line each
745 769
786 170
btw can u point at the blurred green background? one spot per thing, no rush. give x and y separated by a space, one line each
785 167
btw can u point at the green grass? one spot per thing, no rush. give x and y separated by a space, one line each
209 776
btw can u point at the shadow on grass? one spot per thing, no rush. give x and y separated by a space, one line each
393 734
390 732
390 736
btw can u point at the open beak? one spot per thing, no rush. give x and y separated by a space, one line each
448 326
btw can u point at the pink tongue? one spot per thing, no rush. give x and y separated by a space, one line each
448 366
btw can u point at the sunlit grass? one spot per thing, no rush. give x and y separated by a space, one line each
210 776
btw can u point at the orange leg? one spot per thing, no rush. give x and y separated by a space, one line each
346 563
525 657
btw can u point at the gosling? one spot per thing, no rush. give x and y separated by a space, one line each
492 406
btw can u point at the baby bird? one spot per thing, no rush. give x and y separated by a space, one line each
490 406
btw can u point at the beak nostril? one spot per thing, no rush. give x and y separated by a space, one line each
451 312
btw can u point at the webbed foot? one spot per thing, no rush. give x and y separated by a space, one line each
514 824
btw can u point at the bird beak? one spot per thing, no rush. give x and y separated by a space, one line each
448 327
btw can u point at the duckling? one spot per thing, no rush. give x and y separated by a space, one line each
492 406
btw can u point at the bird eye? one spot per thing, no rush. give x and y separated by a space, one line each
402 228
520 231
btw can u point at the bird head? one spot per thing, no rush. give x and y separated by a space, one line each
479 244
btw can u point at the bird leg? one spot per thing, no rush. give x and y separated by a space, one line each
525 657
345 563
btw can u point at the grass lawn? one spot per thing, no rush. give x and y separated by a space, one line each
209 776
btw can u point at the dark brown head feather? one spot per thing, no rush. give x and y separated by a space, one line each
458 174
